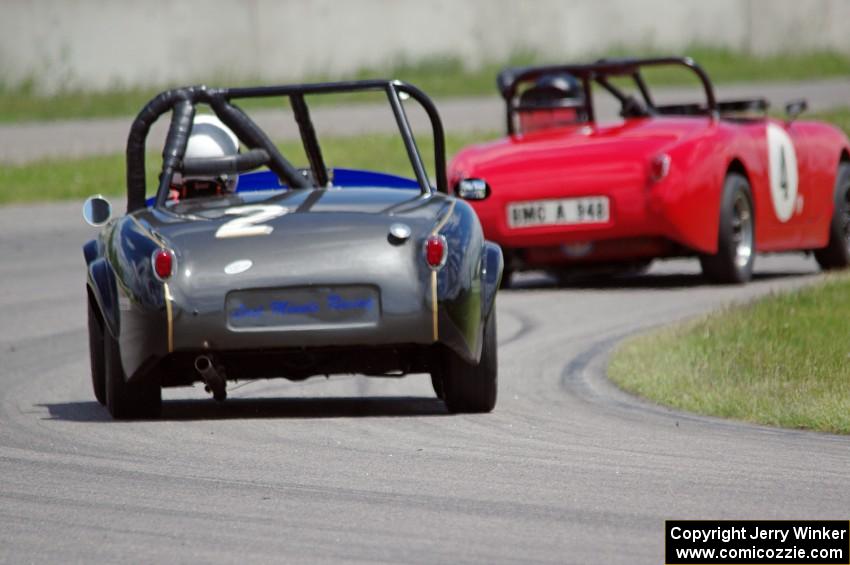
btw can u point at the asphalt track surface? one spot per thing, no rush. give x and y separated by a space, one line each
26 142
567 469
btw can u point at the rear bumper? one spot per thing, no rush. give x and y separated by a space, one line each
292 353
638 228
630 215
403 326
177 369
595 252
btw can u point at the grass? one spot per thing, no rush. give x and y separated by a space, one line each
443 76
66 179
439 77
839 117
728 66
781 361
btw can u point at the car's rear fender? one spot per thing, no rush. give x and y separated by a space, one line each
466 285
101 284
131 300
492 266
91 251
687 200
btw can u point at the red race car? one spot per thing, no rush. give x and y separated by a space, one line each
716 180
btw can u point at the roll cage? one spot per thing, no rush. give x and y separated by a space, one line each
262 151
510 81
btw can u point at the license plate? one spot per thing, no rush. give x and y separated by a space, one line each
303 307
558 212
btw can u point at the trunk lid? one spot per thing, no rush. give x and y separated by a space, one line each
300 237
578 160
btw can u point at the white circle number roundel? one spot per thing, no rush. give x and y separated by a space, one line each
782 169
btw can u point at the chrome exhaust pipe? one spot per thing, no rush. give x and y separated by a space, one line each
213 378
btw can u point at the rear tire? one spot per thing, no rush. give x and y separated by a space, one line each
507 274
733 262
836 255
471 387
437 385
637 268
98 369
124 400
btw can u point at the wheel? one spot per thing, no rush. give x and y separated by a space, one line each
471 387
506 278
124 400
98 377
437 384
564 276
733 262
836 255
637 268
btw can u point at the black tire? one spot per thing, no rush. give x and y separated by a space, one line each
733 262
637 268
98 369
127 401
836 255
437 385
471 387
507 274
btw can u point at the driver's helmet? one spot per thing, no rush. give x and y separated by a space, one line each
555 99
209 138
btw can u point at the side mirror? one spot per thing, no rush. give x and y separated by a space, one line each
97 210
795 108
472 189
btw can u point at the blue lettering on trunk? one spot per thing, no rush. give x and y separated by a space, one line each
284 307
243 311
339 304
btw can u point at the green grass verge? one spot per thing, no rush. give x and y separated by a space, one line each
62 179
439 77
727 66
782 361
443 76
839 117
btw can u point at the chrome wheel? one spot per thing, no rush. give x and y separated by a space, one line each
742 229
736 235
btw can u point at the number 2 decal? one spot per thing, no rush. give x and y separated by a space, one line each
250 220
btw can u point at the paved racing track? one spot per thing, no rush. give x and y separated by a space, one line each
567 469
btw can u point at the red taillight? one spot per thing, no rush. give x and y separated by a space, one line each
659 167
163 263
435 251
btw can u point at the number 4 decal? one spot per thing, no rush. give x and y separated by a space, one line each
250 220
782 172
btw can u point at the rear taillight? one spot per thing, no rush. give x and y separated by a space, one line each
659 167
436 250
163 263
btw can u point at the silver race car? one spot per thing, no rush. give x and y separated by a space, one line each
243 266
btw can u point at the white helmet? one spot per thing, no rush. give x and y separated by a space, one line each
210 138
